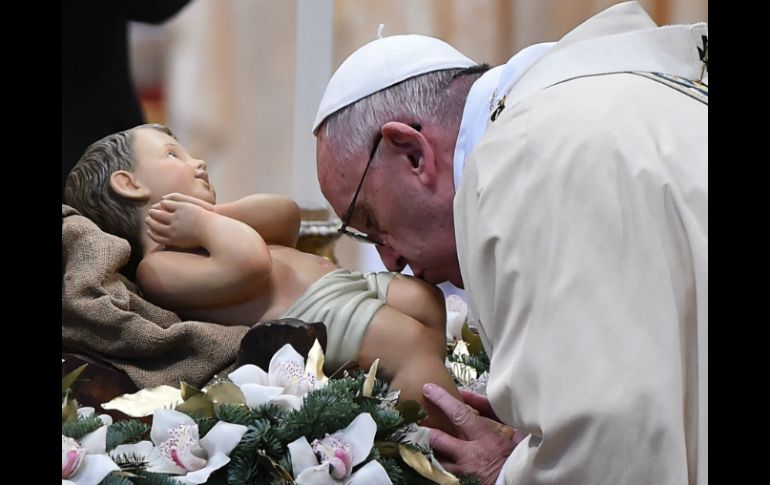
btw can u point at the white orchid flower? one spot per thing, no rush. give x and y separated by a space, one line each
179 451
87 412
86 462
340 453
285 383
456 314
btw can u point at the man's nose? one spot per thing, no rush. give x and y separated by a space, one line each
391 259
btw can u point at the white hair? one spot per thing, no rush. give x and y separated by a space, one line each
424 99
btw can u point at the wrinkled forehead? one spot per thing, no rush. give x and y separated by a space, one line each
338 177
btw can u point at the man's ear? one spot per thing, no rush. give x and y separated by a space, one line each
125 184
414 147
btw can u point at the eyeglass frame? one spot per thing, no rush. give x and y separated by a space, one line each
343 229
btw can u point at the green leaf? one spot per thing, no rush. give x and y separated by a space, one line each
69 409
225 392
188 391
197 405
70 378
473 340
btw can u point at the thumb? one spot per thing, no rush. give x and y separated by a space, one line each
464 417
480 403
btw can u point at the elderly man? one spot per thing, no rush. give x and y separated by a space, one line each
567 192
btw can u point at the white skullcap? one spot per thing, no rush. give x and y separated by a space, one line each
382 63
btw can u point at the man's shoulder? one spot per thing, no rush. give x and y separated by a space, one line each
618 103
590 123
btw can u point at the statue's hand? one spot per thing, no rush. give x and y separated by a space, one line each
176 196
175 223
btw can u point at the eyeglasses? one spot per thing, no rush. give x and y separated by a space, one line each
359 236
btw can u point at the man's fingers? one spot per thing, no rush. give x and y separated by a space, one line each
459 413
480 403
445 444
453 468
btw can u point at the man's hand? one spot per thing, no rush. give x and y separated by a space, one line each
175 223
483 445
480 403
176 196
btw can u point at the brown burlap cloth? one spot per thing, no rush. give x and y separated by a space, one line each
103 316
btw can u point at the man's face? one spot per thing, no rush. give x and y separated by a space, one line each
413 224
164 166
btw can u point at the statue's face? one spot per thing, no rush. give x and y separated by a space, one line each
164 166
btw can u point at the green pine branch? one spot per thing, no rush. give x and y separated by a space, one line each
325 411
81 427
115 478
143 477
123 432
204 424
233 413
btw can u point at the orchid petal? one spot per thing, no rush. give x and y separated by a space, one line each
157 463
288 402
72 456
88 411
360 434
285 354
201 476
93 470
287 369
222 438
302 455
85 412
164 420
96 441
257 394
457 314
249 374
316 475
